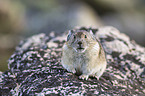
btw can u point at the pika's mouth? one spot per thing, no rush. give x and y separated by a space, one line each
80 50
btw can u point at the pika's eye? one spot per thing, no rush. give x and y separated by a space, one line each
74 37
85 36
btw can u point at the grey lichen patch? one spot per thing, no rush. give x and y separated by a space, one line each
113 40
35 68
34 41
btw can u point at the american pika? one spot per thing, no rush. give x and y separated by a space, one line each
83 54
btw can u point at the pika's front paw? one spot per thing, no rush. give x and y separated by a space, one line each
96 77
84 77
72 70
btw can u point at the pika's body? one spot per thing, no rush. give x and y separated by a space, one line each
82 54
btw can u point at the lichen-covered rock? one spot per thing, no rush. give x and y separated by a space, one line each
35 68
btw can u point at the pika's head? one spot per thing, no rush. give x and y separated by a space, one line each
80 40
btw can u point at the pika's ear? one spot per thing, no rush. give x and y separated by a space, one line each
69 34
93 36
91 32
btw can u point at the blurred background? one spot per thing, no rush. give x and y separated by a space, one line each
20 19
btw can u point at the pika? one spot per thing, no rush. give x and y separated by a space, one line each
82 54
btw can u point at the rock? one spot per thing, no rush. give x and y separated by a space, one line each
35 68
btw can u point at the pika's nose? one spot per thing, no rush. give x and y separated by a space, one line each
79 42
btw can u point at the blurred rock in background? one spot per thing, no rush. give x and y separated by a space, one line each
126 15
11 25
22 18
58 15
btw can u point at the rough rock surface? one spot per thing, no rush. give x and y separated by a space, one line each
35 68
